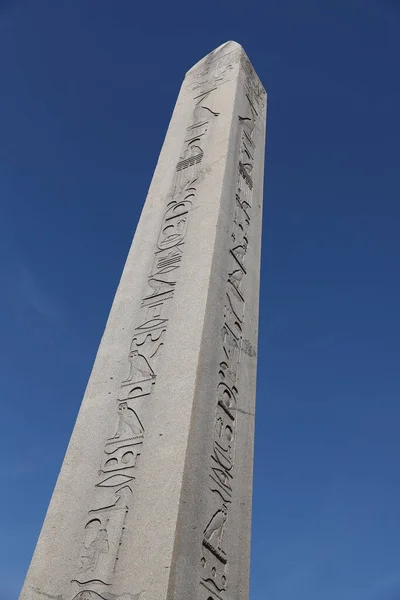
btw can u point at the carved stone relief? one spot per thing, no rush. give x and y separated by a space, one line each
104 527
212 72
252 84
214 560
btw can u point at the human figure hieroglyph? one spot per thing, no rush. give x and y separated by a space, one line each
216 526
139 368
128 423
97 545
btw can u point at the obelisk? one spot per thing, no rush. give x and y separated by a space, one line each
153 501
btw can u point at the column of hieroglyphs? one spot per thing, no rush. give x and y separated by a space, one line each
153 500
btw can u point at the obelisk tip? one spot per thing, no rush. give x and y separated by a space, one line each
225 48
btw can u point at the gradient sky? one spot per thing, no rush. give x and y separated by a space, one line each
87 90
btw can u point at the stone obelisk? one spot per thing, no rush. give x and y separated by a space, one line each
153 501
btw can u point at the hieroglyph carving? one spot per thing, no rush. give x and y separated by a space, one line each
214 558
213 72
105 522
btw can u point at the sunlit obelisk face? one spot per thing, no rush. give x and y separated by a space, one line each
153 501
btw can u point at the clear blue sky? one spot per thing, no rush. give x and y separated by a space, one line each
87 89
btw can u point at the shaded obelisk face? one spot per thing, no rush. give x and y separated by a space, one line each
154 497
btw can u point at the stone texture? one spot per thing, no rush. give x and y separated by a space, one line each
153 501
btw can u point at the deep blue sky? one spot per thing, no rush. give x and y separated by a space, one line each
87 89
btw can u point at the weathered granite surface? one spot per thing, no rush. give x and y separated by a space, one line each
153 501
